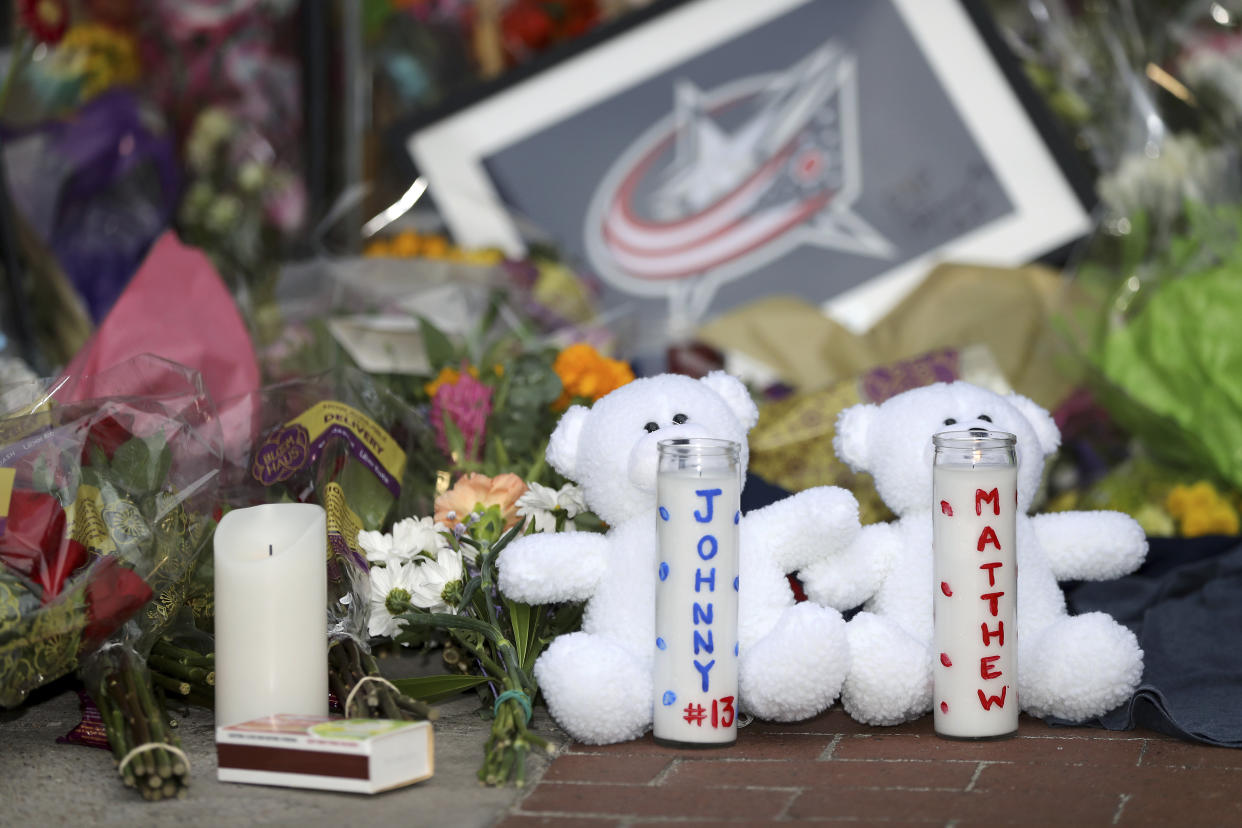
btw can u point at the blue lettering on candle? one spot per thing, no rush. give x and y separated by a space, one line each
710 580
737 518
663 570
661 643
663 513
701 616
669 698
711 541
707 644
735 582
704 669
707 494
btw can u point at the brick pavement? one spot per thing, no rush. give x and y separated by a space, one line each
832 769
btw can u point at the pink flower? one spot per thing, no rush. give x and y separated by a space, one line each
466 403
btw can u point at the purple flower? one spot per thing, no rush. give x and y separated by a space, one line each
466 403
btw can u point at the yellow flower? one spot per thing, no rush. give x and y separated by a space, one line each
476 492
449 376
585 373
100 56
1201 510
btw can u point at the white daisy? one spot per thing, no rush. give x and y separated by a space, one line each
380 548
539 503
437 582
419 536
390 585
572 500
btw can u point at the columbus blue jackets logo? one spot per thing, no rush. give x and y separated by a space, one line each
733 178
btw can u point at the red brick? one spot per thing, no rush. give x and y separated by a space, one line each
1066 750
1162 805
550 798
748 746
1163 753
584 767
527 821
834 775
941 807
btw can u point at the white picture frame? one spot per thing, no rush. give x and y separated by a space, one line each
1048 202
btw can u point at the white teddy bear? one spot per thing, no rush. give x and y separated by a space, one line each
598 682
1071 667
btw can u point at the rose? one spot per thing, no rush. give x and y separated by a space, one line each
107 435
34 544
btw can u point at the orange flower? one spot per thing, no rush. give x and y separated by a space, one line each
448 376
475 492
585 373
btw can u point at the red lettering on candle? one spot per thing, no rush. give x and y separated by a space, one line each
988 535
944 587
988 635
944 659
988 701
945 508
991 574
944 707
985 667
991 598
982 497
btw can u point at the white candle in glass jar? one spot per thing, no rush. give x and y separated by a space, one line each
974 504
271 628
696 649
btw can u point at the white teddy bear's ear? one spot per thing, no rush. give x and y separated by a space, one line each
562 451
1039 418
853 437
735 394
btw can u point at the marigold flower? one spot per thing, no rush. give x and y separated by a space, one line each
448 376
1201 510
585 373
476 492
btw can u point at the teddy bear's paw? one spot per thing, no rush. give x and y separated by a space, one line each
1081 666
796 670
890 677
596 690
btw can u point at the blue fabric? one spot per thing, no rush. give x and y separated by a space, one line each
1185 606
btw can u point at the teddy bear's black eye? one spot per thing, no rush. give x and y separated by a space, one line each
651 427
985 418
680 418
949 421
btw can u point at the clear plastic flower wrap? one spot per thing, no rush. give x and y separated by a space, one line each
347 444
108 483
1150 91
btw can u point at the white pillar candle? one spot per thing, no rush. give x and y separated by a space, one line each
271 627
698 494
974 507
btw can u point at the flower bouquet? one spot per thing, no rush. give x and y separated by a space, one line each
433 579
108 510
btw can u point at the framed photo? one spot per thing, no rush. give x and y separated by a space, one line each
721 150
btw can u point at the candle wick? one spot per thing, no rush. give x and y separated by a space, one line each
269 550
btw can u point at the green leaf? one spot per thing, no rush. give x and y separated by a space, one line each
440 349
437 688
132 468
520 617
